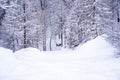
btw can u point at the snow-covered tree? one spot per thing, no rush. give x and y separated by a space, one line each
11 26
53 24
114 29
80 25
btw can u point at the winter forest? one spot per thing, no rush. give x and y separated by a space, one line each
59 39
50 25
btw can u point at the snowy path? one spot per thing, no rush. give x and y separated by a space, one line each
70 67
66 67
93 61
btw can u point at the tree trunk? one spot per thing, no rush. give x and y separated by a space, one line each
24 34
25 40
50 43
44 43
44 35
118 16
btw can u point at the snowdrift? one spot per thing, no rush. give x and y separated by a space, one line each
97 48
7 61
93 60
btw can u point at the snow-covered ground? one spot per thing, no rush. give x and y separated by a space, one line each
93 60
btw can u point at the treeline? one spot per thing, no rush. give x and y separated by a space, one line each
55 24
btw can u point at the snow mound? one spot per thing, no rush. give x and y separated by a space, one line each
97 47
29 54
7 61
28 51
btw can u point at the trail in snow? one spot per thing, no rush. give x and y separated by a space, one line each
92 61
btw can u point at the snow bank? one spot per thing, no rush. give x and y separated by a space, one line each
7 61
97 48
92 61
27 53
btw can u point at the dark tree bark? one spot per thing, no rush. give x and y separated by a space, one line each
24 34
118 15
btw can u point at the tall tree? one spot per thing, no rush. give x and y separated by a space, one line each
11 26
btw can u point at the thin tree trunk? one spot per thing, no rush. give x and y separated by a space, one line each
118 16
24 34
25 42
44 35
44 42
50 43
62 39
13 43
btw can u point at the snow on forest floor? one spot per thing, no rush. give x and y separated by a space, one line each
93 60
